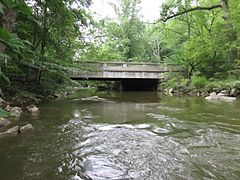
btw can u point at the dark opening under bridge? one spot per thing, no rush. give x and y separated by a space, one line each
131 75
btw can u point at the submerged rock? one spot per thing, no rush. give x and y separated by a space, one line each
16 130
4 122
234 92
32 109
220 97
94 98
10 132
13 131
25 128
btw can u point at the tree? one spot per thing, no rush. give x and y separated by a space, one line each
45 37
200 35
121 40
132 27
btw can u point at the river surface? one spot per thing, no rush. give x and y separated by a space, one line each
132 135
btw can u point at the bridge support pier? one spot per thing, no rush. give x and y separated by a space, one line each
159 87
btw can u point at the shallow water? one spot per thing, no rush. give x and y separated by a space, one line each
132 135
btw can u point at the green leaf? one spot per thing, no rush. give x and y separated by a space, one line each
3 57
23 8
4 34
15 44
18 5
3 113
9 3
4 78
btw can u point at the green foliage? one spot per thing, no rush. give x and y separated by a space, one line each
199 82
4 34
41 42
124 40
202 41
3 113
216 84
174 81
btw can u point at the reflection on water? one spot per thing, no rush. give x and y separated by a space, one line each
130 136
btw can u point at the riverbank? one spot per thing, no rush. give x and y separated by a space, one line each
203 89
9 118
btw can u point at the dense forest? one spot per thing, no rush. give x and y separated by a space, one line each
40 40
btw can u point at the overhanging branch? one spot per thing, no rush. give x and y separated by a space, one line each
198 8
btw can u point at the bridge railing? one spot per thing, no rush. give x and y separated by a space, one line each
122 69
125 66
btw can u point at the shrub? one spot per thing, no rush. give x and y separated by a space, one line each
237 85
199 82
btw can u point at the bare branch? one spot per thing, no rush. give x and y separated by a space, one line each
198 8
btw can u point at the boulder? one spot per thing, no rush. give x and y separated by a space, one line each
25 128
13 131
218 89
223 93
204 94
15 111
94 98
16 130
216 97
170 91
234 92
32 109
4 122
7 108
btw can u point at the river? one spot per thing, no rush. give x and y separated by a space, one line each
132 135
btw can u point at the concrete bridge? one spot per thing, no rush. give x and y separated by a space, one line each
142 76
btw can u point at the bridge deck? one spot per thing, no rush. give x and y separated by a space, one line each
122 70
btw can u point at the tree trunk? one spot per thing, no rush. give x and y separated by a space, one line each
158 49
232 35
190 73
225 8
8 22
43 44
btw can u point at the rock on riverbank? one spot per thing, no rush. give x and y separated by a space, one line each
215 94
222 96
4 122
16 130
14 112
32 109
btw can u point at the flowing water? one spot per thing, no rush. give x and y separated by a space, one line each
132 135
